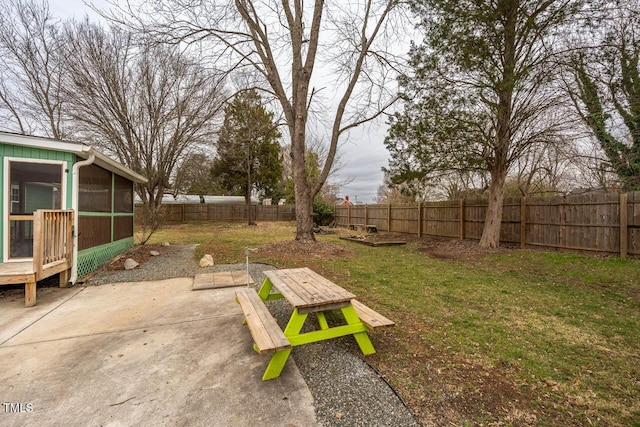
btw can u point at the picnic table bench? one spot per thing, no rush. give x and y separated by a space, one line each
307 292
267 335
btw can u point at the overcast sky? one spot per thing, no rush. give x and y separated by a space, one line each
363 153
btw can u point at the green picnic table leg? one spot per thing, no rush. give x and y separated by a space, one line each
276 364
279 358
265 291
322 320
362 338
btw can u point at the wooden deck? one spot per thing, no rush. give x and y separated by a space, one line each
52 254
16 272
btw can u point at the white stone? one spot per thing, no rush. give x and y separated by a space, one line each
130 264
154 253
165 244
206 261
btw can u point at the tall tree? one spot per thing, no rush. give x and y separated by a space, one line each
193 176
283 41
147 105
248 153
33 65
478 97
607 89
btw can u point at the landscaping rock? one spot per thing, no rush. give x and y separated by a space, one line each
165 244
154 253
130 264
206 261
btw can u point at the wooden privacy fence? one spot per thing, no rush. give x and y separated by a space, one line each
595 222
172 213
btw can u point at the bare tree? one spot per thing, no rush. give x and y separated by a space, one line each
31 50
193 176
284 41
147 105
606 87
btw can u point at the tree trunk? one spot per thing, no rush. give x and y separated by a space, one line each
302 190
247 194
493 220
304 219
247 202
499 164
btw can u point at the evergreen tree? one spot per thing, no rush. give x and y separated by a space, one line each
479 95
248 157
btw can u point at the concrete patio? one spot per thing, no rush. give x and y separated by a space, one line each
144 353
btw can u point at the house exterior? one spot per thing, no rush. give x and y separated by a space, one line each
343 202
42 173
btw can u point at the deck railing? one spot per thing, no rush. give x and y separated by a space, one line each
52 242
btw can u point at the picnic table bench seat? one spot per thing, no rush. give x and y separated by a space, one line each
371 318
267 335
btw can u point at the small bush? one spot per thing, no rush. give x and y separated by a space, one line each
323 211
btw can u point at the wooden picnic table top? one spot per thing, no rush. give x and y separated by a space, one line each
308 291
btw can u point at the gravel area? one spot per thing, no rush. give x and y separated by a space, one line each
346 390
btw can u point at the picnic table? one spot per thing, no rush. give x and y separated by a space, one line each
307 292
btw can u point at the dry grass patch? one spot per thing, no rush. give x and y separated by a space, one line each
287 252
497 337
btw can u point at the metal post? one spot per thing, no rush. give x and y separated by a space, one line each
246 254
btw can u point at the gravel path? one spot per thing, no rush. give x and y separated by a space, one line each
346 390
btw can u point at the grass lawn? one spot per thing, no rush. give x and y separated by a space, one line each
514 337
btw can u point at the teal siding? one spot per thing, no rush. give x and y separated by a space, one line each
7 150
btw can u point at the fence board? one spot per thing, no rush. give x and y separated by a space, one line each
173 213
588 222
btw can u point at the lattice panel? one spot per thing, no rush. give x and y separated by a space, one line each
91 259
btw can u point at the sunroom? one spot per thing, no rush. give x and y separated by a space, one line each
67 209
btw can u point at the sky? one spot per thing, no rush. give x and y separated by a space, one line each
363 153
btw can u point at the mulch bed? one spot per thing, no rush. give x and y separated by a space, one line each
139 254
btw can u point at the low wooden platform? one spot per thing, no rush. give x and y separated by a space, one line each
221 279
370 228
371 243
15 273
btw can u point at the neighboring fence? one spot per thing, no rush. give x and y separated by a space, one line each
595 222
173 213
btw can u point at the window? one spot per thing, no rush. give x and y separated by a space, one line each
31 186
94 189
123 194
122 227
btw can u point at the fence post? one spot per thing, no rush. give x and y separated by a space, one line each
461 219
389 217
348 215
623 225
419 219
523 222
